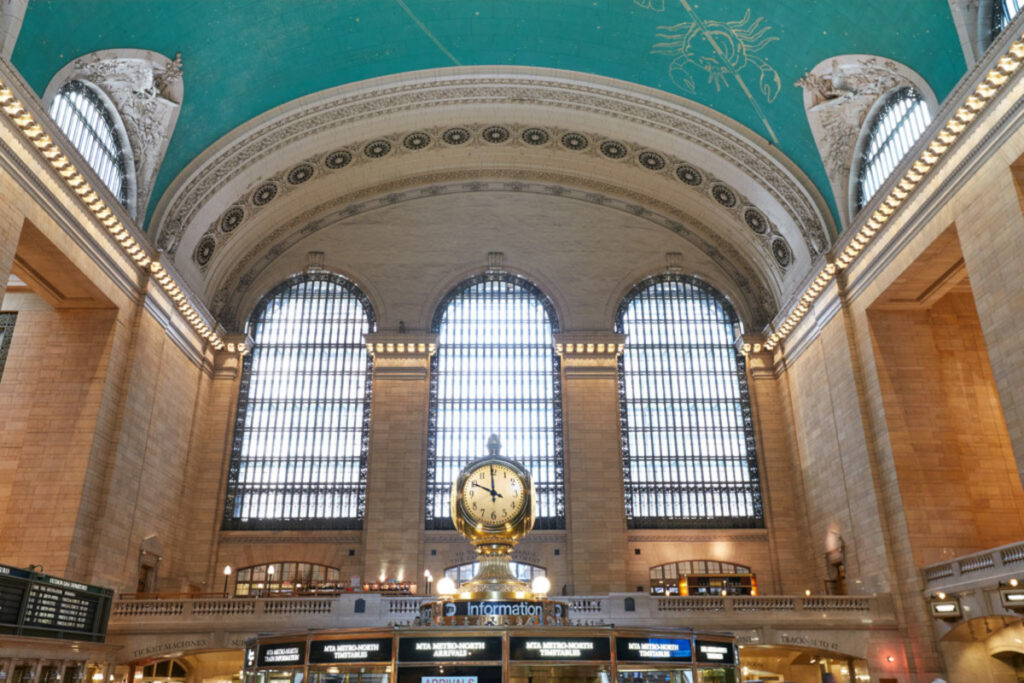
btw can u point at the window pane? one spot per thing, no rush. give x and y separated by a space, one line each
495 371
301 432
896 128
84 119
688 443
6 331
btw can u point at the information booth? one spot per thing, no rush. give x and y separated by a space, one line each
495 655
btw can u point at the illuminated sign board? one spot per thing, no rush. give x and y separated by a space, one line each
469 649
1012 599
365 650
282 654
652 649
44 606
712 652
487 608
559 648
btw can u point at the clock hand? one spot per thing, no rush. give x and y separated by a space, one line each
493 492
490 491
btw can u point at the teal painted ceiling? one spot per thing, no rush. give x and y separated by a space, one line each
243 57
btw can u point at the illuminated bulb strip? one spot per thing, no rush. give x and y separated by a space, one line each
51 152
938 148
589 349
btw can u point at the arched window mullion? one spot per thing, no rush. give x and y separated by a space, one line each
895 128
684 459
89 126
495 370
284 472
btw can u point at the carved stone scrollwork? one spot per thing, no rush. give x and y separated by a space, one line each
146 89
838 95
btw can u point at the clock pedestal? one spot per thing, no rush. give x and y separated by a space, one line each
494 597
494 580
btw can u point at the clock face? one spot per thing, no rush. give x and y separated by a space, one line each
493 495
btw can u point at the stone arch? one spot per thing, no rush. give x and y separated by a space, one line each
145 89
841 94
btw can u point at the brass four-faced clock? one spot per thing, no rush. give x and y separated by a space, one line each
493 505
493 499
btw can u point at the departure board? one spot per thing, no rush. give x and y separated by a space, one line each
40 605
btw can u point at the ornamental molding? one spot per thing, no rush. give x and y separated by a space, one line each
758 298
344 159
146 90
570 93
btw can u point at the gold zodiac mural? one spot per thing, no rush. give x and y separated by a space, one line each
724 50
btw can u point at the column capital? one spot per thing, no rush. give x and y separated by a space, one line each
383 345
589 344
401 355
760 361
227 363
589 354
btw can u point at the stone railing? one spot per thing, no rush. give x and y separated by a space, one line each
370 609
985 566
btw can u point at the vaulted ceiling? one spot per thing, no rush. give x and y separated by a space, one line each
738 57
310 122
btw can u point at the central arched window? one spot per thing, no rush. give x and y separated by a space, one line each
895 128
298 458
84 118
687 434
495 371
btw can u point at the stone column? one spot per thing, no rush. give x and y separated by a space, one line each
396 465
594 499
782 496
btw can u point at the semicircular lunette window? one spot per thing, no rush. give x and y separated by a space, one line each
298 459
85 120
895 129
495 371
687 435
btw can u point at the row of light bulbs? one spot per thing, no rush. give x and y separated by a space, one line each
60 162
973 105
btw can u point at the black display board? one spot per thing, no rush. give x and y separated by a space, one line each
653 649
44 606
714 652
563 649
340 651
282 654
468 649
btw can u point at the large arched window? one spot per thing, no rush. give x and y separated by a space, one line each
495 371
301 432
895 128
84 118
687 435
